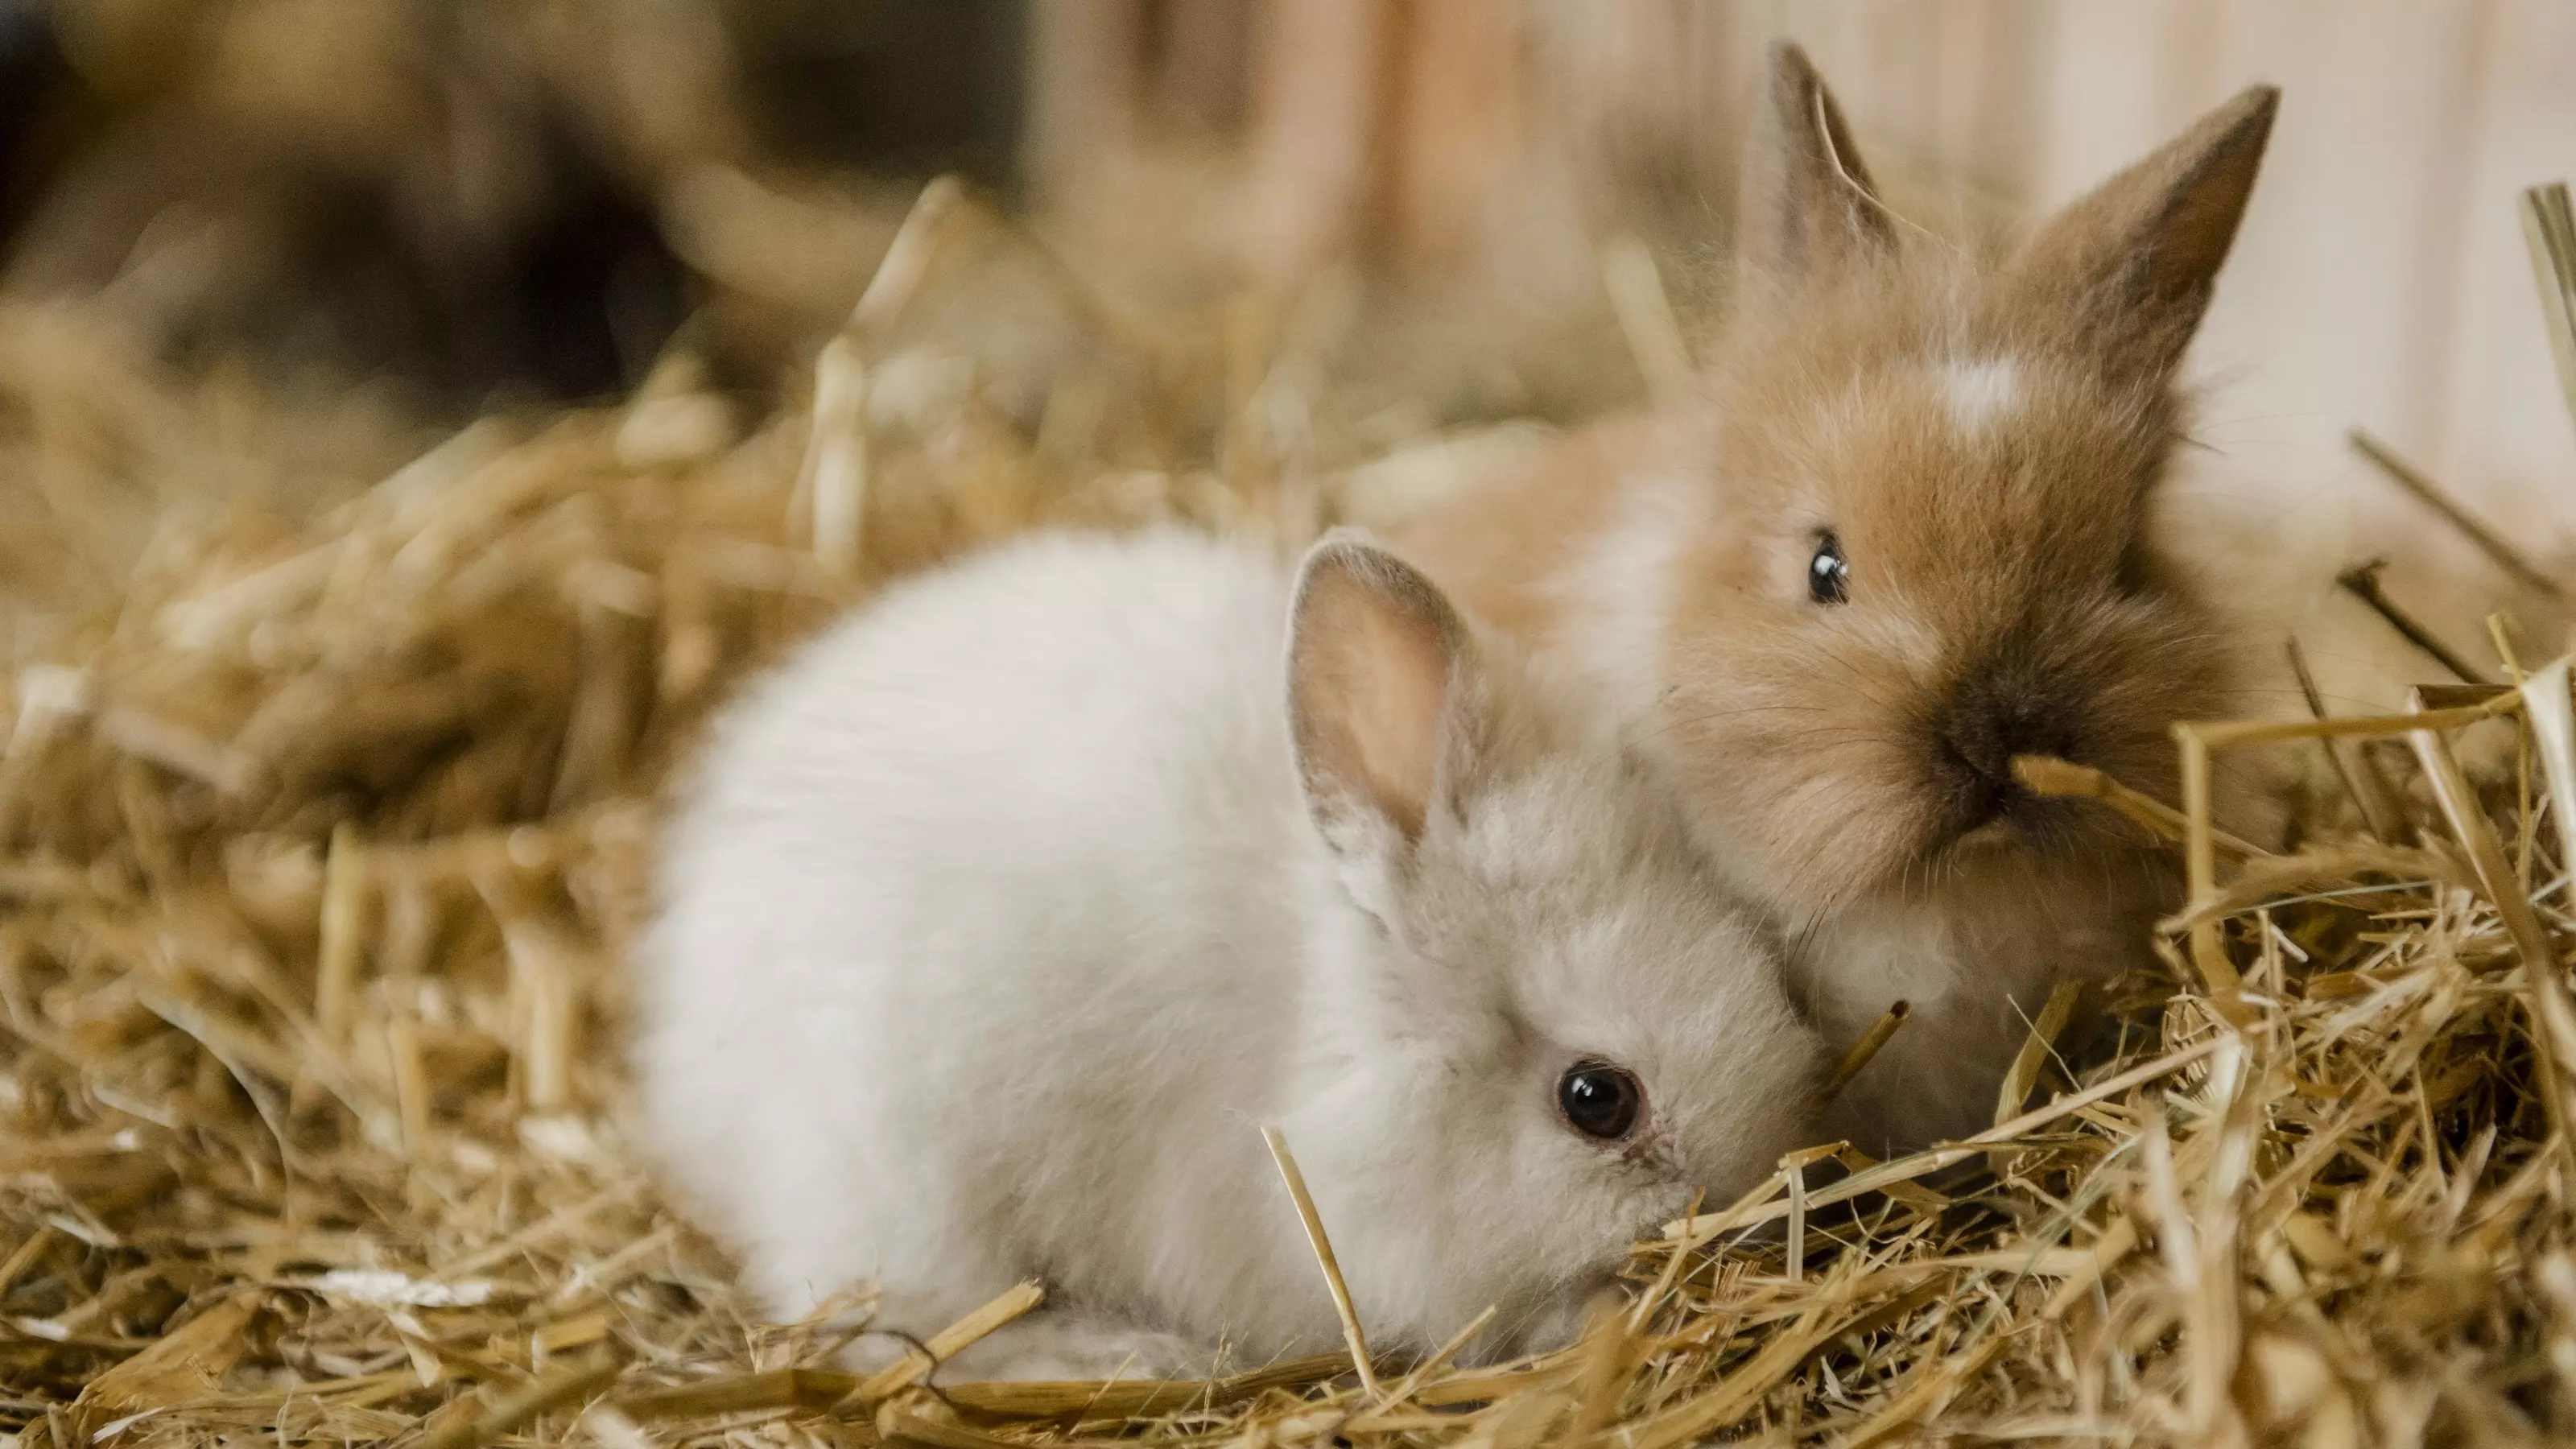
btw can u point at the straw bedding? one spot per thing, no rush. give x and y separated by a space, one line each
324 835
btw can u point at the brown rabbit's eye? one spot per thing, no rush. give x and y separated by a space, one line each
1828 577
1600 1100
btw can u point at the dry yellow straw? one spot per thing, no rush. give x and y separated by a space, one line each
2024 1072
1637 294
1752 1209
1868 1046
2459 802
2553 731
906 265
412 1090
2500 634
344 904
2549 229
37 1241
2214 1317
2048 775
946 1344
569 1385
2370 790
2425 491
2227 734
835 476
836 459
2362 582
2553 1020
1323 1246
2200 867
1407 1386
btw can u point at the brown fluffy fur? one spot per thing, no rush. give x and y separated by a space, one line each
1985 448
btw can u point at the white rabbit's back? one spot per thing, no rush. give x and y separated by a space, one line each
1010 856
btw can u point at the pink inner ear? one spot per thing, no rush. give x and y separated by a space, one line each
1395 717
1371 691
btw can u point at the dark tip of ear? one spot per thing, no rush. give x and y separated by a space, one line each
2250 110
1792 74
2220 157
2231 137
1809 202
2127 271
1806 110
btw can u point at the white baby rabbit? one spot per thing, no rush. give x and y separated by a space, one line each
1007 913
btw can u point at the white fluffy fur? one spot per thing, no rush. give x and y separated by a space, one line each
1623 591
1980 393
999 923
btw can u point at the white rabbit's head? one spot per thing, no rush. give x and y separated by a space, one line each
1544 1030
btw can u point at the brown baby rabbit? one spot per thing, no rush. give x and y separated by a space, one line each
1902 533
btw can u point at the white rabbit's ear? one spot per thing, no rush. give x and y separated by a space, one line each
1378 670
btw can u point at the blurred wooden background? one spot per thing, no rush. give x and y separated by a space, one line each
481 195
2381 278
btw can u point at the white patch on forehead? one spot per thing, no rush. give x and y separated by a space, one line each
1980 392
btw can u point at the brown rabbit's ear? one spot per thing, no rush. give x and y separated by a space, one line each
2128 270
1809 205
1379 672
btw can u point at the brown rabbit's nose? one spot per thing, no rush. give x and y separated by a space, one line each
1986 727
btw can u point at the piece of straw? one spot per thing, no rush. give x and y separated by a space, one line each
2048 775
2549 233
1323 1246
924 233
2023 1074
411 1084
25 1255
2476 530
173 746
944 1345
2200 869
570 1384
2361 777
1863 1050
2229 734
344 899
1645 314
1794 1253
2500 634
2553 1016
2362 582
836 457
1924 1164
2459 803
2552 714
2215 1319
1413 1380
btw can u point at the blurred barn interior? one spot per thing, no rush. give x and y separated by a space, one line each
381 217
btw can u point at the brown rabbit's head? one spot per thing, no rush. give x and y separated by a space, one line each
1916 542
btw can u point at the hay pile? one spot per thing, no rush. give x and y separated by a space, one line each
319 848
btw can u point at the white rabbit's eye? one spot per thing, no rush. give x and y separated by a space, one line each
1600 1100
1828 577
